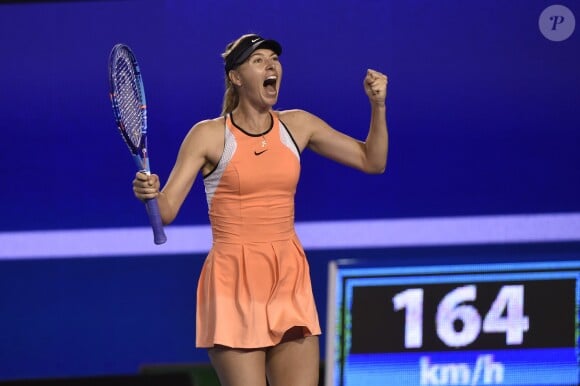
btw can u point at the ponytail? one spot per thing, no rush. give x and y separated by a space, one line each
231 97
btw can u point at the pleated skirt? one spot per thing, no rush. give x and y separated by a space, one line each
250 294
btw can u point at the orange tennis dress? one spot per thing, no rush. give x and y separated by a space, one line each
255 282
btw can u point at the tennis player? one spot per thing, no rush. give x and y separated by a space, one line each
256 312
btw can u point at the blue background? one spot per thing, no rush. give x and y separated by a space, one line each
482 111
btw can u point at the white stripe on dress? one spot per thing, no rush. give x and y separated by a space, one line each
212 181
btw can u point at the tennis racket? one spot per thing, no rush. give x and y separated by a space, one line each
130 112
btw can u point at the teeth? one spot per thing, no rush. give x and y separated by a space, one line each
270 81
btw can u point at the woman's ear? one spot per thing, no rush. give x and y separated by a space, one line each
235 78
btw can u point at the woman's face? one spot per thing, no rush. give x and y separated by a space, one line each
260 76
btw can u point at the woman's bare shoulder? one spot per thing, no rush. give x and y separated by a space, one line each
209 124
207 128
292 114
298 117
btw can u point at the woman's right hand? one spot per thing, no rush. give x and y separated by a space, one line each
146 186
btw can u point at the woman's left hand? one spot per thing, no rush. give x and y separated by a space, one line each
375 85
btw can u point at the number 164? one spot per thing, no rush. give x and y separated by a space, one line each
506 315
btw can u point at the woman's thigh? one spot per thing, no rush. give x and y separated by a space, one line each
236 367
294 362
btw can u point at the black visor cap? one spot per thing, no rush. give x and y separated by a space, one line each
245 48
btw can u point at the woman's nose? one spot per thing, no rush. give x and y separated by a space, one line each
270 63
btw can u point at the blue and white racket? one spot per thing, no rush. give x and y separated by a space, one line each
130 111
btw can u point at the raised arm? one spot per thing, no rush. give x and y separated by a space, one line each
370 155
377 141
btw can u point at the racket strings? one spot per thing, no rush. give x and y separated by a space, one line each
128 96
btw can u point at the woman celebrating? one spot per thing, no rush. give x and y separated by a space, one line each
256 313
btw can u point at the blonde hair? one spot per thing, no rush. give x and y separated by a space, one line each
231 96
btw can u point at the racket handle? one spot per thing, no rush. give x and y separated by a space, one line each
155 220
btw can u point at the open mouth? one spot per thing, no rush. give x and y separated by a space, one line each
270 84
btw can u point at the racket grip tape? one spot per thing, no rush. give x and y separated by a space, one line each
159 236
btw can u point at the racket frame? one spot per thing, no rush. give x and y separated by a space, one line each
138 151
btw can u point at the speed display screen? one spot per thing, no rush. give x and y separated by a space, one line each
497 324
